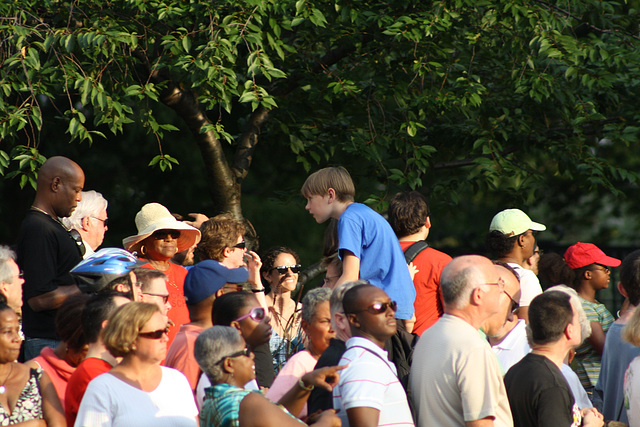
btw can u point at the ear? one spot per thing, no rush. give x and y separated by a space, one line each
521 240
427 223
587 274
353 320
104 323
476 296
227 251
56 182
236 325
332 194
220 292
304 325
622 290
227 365
85 223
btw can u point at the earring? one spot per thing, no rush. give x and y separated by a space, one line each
143 250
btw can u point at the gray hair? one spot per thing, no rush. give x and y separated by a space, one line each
335 302
585 323
91 205
458 285
212 345
6 254
311 301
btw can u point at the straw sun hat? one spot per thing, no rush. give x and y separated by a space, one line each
153 217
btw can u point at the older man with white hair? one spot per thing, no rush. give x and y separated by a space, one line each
10 279
90 220
455 377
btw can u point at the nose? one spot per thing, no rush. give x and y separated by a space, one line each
307 205
510 316
168 305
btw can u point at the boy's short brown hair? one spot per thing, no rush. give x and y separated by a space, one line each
408 212
338 178
218 233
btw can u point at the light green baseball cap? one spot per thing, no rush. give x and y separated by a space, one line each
512 222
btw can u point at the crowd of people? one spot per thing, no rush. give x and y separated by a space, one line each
185 325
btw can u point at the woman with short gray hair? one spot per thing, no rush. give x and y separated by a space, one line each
316 324
225 360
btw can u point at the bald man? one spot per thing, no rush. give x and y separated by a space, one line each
47 251
453 359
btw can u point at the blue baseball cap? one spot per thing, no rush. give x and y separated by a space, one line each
207 277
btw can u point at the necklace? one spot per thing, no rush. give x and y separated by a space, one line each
35 208
2 387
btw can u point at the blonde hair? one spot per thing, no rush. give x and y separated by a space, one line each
631 331
338 178
123 328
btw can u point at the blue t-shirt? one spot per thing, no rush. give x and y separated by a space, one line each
366 234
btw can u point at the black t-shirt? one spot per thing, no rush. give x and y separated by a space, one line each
539 395
321 399
46 254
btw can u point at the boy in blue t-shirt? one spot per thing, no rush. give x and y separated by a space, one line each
367 245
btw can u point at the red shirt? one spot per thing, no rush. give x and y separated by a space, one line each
87 370
428 303
180 355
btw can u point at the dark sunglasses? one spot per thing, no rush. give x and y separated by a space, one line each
379 307
75 235
241 245
163 234
283 268
256 313
165 298
154 335
514 304
244 352
104 221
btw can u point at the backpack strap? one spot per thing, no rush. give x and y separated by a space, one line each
412 251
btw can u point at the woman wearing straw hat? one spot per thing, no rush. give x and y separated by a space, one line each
160 236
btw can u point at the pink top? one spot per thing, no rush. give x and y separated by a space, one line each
180 354
59 371
297 365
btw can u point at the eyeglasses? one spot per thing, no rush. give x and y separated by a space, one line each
283 268
154 335
603 268
256 313
379 307
244 352
75 235
241 245
104 221
163 234
165 298
514 304
499 284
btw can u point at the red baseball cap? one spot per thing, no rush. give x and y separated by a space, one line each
583 254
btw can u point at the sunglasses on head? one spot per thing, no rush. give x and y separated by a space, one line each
154 335
379 307
244 352
256 313
283 268
163 234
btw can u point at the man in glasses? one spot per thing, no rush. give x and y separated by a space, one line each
11 279
453 358
205 281
153 288
89 219
506 316
369 392
47 251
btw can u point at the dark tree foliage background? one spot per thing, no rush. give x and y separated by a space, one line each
226 106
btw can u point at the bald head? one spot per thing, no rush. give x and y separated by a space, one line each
462 275
60 182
